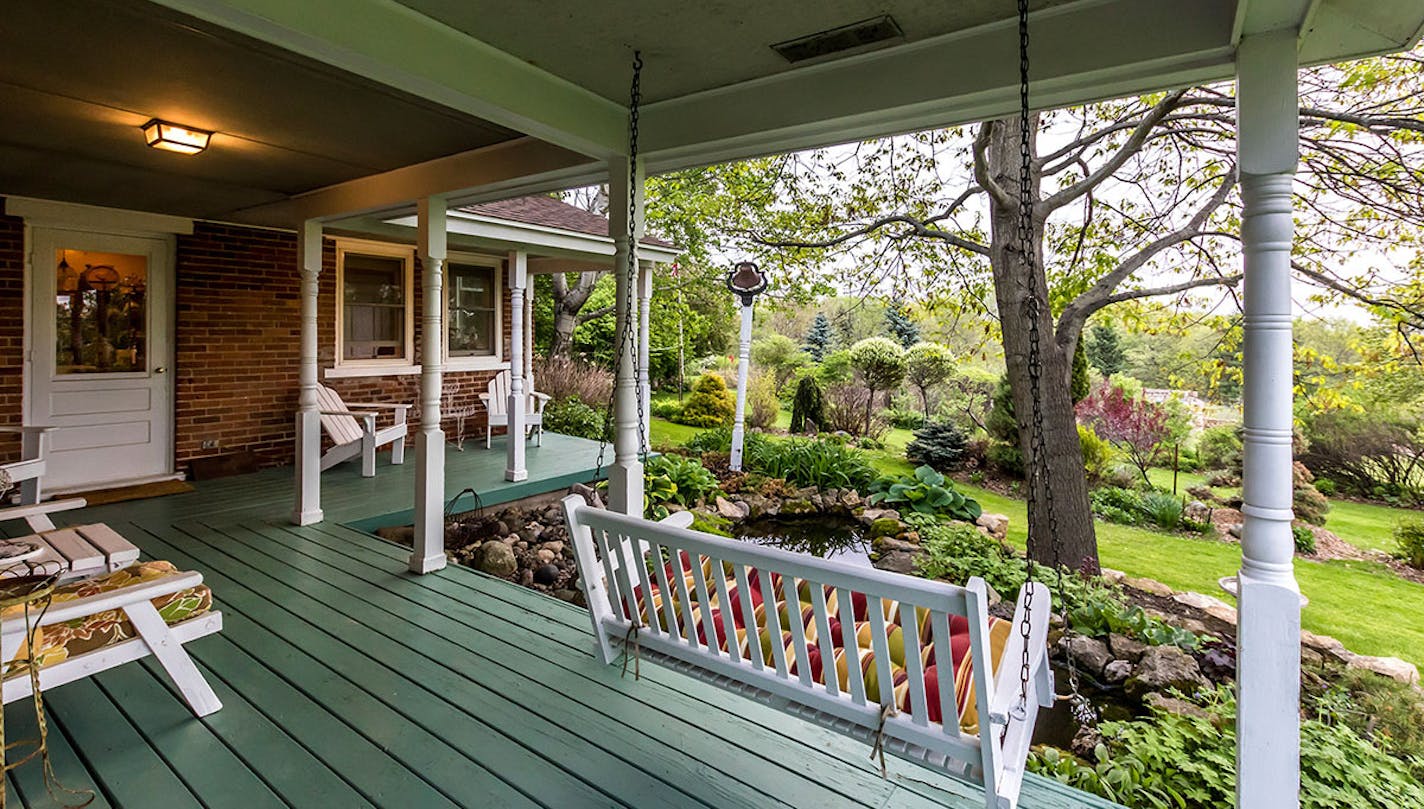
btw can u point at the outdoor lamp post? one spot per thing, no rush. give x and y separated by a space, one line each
745 280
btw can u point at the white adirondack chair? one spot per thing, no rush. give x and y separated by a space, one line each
496 404
353 431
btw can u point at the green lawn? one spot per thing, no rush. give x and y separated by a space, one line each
1367 525
1364 604
1162 478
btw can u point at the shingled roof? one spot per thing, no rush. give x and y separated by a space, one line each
551 213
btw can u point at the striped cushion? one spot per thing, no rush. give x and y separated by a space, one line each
651 607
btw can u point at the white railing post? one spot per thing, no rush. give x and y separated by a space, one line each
429 551
1268 640
517 404
307 446
645 388
625 475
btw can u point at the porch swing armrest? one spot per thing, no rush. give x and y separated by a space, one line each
1008 680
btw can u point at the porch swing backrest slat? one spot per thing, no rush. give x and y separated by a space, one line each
709 606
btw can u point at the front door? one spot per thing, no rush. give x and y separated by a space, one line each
100 356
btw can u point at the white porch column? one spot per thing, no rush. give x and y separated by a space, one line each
645 388
514 436
529 338
307 508
625 476
429 552
1268 640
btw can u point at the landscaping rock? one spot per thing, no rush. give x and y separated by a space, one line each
1164 668
1197 511
885 527
870 515
531 532
1152 586
496 558
1223 613
850 498
889 544
1199 601
1116 671
798 506
996 524
1234 529
731 511
544 555
554 547
1113 576
1391 667
588 493
897 562
571 596
1126 648
1162 702
1320 643
404 534
547 574
1090 654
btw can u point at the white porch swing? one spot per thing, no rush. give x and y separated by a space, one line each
893 660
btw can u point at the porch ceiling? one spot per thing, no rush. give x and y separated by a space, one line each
80 77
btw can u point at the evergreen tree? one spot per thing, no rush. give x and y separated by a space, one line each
898 321
818 339
1105 352
1079 383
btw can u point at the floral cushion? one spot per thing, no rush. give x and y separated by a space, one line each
963 663
58 642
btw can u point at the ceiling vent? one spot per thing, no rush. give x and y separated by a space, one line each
852 38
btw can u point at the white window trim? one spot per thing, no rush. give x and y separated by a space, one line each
491 363
374 367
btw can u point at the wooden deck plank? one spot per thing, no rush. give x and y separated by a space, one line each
290 770
503 739
207 767
68 769
638 736
117 756
723 722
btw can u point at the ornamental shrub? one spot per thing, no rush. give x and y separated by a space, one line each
710 404
762 404
927 366
1097 454
880 364
570 416
1220 447
1409 540
1304 539
807 406
938 444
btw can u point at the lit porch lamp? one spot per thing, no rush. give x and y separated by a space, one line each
745 281
175 138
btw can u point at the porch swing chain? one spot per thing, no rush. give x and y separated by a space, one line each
1039 469
625 336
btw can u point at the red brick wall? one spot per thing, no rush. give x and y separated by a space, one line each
12 318
238 338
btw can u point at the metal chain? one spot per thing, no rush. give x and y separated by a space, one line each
625 335
1040 471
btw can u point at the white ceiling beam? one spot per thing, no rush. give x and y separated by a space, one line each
514 168
396 46
957 78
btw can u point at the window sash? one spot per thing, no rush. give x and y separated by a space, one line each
375 299
472 314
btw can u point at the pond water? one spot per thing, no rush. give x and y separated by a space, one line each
829 537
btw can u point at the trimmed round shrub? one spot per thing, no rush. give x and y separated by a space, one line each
710 403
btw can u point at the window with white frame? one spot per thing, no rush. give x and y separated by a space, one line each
375 304
472 311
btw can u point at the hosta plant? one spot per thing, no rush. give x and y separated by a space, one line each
925 492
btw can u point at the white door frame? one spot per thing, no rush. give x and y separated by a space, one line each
85 220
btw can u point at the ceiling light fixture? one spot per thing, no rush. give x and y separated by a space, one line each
175 138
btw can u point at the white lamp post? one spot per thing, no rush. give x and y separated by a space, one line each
745 280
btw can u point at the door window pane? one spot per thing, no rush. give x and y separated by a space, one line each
472 316
373 307
100 312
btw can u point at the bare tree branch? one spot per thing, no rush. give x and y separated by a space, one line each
1100 294
981 163
1132 146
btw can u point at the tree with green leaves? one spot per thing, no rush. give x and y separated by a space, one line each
897 320
880 364
1105 350
927 366
819 338
1133 199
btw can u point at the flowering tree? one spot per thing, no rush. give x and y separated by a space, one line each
1136 426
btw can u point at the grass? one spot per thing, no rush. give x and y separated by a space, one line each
1162 478
1363 604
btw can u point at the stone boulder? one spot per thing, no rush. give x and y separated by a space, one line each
897 562
1150 586
1125 648
885 527
1117 671
1090 654
1164 668
1391 667
1197 511
730 510
996 524
496 558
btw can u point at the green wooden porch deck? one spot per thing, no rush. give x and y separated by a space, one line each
348 682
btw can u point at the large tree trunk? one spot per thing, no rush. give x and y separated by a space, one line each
567 303
1061 528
